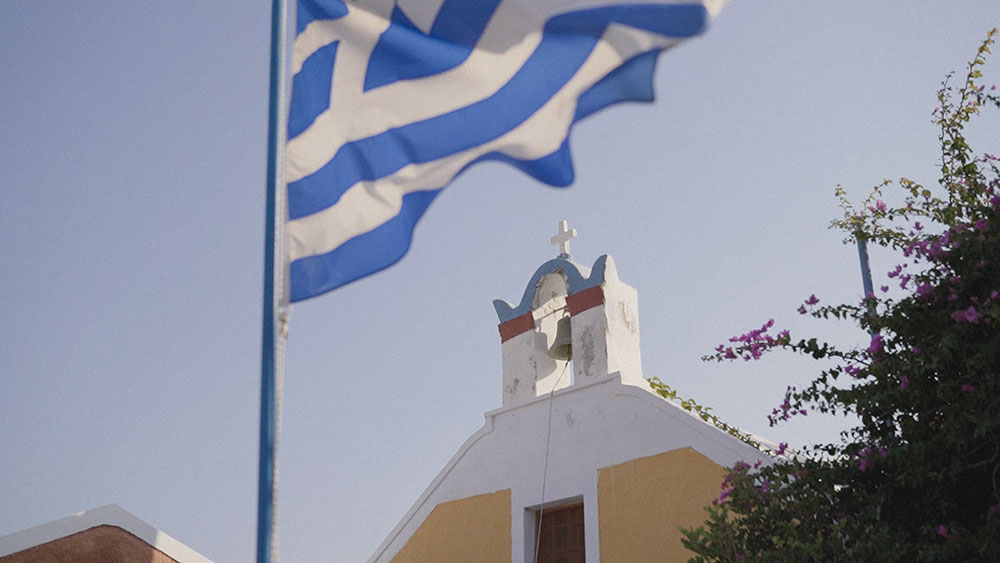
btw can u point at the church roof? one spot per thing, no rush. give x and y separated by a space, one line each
105 518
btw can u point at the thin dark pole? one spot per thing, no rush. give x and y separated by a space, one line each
866 274
866 271
268 362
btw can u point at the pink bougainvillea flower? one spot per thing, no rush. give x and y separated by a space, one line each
879 206
970 315
812 300
966 388
904 382
942 531
876 344
923 288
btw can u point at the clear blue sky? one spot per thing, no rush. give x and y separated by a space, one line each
132 170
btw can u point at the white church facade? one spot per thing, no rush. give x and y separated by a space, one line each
583 461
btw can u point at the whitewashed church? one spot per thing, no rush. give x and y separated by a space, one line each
583 462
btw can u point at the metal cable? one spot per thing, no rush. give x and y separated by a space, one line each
545 469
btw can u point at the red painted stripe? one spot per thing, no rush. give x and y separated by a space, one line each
583 300
516 326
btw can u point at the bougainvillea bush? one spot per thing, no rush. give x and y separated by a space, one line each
916 479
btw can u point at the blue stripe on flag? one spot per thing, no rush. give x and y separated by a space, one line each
556 168
567 41
308 10
631 82
405 52
311 89
363 255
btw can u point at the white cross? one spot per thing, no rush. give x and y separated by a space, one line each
562 238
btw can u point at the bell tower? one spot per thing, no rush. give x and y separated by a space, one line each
573 325
584 459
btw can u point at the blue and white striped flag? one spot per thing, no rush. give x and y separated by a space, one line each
392 99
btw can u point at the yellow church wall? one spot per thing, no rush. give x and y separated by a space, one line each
471 529
642 502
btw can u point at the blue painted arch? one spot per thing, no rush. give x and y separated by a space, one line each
576 281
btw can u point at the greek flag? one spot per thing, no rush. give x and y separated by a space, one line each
392 99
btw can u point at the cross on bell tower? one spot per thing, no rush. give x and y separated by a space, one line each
562 238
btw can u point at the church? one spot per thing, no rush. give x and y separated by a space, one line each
583 461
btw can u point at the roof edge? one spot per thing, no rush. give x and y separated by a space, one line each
107 515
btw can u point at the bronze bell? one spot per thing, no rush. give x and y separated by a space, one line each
562 348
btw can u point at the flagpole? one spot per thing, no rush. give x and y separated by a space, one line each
269 380
866 274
